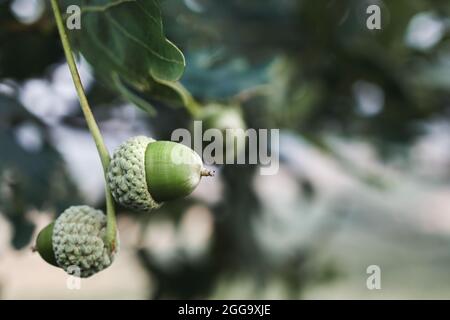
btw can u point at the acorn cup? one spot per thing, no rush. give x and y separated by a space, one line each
75 242
144 173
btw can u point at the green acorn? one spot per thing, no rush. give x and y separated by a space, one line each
217 116
75 242
143 173
222 117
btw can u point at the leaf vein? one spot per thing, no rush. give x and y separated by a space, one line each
127 34
158 22
104 7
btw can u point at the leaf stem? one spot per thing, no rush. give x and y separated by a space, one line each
191 105
111 228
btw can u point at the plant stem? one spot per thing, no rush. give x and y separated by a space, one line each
111 228
191 105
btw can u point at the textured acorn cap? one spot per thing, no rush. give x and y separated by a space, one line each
126 175
78 241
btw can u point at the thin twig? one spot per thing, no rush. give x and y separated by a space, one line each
111 229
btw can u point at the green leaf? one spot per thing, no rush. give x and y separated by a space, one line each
177 92
125 39
169 92
132 96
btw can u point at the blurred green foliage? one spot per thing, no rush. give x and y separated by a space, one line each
30 179
291 64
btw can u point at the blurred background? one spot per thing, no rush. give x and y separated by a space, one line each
364 179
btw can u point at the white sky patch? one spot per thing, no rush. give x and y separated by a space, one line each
424 31
37 97
7 89
29 136
369 98
194 5
28 11
431 153
52 100
62 82
83 162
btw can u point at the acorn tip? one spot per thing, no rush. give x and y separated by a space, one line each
207 173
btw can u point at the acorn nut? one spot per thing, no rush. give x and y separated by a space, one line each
144 173
75 242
